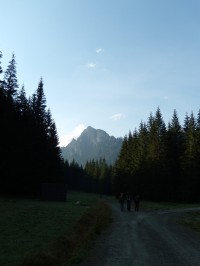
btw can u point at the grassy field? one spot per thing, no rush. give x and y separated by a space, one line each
189 219
153 206
27 226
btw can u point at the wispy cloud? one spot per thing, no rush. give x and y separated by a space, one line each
166 97
116 117
91 65
99 50
76 132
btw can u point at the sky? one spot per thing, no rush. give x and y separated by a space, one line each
105 63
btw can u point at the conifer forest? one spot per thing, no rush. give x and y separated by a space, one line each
160 162
30 154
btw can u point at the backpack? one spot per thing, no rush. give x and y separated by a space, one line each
128 197
137 198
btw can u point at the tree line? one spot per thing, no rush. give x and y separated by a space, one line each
161 162
96 176
29 146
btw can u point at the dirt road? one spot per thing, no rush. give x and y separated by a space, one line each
145 239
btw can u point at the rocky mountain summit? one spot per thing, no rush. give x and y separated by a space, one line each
92 144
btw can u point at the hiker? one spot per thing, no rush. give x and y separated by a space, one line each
128 200
121 200
137 202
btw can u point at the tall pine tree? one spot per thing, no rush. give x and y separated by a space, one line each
10 78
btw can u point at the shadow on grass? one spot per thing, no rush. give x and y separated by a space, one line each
191 220
155 206
73 247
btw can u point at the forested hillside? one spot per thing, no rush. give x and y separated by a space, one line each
161 162
96 176
29 149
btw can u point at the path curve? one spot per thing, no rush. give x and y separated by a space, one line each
146 239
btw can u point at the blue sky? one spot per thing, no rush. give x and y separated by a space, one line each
106 63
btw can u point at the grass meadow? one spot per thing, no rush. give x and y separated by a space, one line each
189 219
28 226
156 206
192 220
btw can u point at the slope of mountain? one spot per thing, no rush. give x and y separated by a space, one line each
92 144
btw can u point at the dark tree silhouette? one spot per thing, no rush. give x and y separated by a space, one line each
161 163
10 78
29 149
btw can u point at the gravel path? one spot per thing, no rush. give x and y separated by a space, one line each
146 239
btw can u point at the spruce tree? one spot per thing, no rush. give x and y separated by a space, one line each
53 151
174 151
22 101
0 63
122 167
1 70
189 140
197 155
188 161
39 104
198 140
10 78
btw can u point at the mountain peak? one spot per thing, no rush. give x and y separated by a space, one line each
92 144
89 128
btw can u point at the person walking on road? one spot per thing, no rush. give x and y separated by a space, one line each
128 200
121 200
137 202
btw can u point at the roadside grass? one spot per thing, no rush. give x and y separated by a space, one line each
72 247
154 206
31 226
191 220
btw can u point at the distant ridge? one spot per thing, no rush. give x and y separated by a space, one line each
92 144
